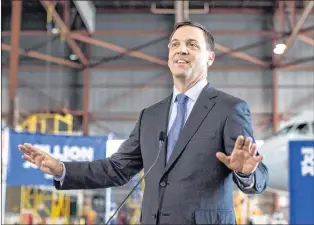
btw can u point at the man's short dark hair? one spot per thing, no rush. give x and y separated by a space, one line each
208 36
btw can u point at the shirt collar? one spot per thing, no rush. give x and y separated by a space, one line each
193 92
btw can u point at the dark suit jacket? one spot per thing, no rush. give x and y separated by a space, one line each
194 187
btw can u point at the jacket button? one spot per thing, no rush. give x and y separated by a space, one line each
154 215
163 184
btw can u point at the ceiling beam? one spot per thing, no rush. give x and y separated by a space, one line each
40 56
73 45
302 37
241 55
297 28
153 59
298 61
224 11
269 33
128 67
306 39
298 68
117 48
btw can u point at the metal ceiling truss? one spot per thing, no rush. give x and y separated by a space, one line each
49 5
297 28
84 37
290 10
80 36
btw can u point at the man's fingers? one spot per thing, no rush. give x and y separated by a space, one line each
223 158
29 150
247 144
34 151
253 149
259 158
28 158
239 142
22 149
25 150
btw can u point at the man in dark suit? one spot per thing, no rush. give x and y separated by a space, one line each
209 144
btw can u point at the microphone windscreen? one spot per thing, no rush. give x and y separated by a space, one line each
162 136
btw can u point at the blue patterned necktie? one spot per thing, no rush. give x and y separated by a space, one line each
177 124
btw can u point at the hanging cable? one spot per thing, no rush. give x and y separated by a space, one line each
33 48
120 55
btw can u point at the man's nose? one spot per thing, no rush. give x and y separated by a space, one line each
182 50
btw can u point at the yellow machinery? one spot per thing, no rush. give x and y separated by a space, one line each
241 206
50 202
245 208
40 123
135 205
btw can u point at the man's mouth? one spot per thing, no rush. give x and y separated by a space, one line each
181 61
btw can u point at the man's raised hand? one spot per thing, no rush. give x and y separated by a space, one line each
42 160
243 157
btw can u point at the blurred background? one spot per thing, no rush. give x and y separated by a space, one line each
83 71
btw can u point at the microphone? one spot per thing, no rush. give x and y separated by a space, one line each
162 137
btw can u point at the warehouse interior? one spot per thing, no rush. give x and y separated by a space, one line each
94 65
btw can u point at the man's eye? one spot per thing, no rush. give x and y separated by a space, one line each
174 44
192 45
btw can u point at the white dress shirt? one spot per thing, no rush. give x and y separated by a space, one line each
193 93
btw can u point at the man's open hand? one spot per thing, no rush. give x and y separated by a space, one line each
243 157
42 160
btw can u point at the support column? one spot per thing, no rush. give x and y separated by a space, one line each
14 58
279 14
66 13
86 89
181 11
275 100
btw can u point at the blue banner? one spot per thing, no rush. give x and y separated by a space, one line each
301 183
62 147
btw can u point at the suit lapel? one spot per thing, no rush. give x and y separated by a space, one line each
203 105
163 114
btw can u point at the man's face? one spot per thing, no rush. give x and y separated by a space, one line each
189 56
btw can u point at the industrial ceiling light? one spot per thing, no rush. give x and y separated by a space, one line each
73 57
280 48
55 30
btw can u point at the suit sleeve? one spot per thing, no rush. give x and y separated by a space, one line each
113 171
239 123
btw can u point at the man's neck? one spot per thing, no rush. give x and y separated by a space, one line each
183 86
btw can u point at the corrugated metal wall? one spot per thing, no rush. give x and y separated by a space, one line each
39 90
48 87
296 88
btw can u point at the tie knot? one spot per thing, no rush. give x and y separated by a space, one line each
181 98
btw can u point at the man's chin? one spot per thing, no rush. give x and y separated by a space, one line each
180 74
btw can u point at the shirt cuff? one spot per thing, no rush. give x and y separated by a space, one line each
61 179
246 179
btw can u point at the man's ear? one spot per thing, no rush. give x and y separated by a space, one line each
211 58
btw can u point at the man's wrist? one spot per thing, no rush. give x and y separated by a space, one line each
61 168
243 174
